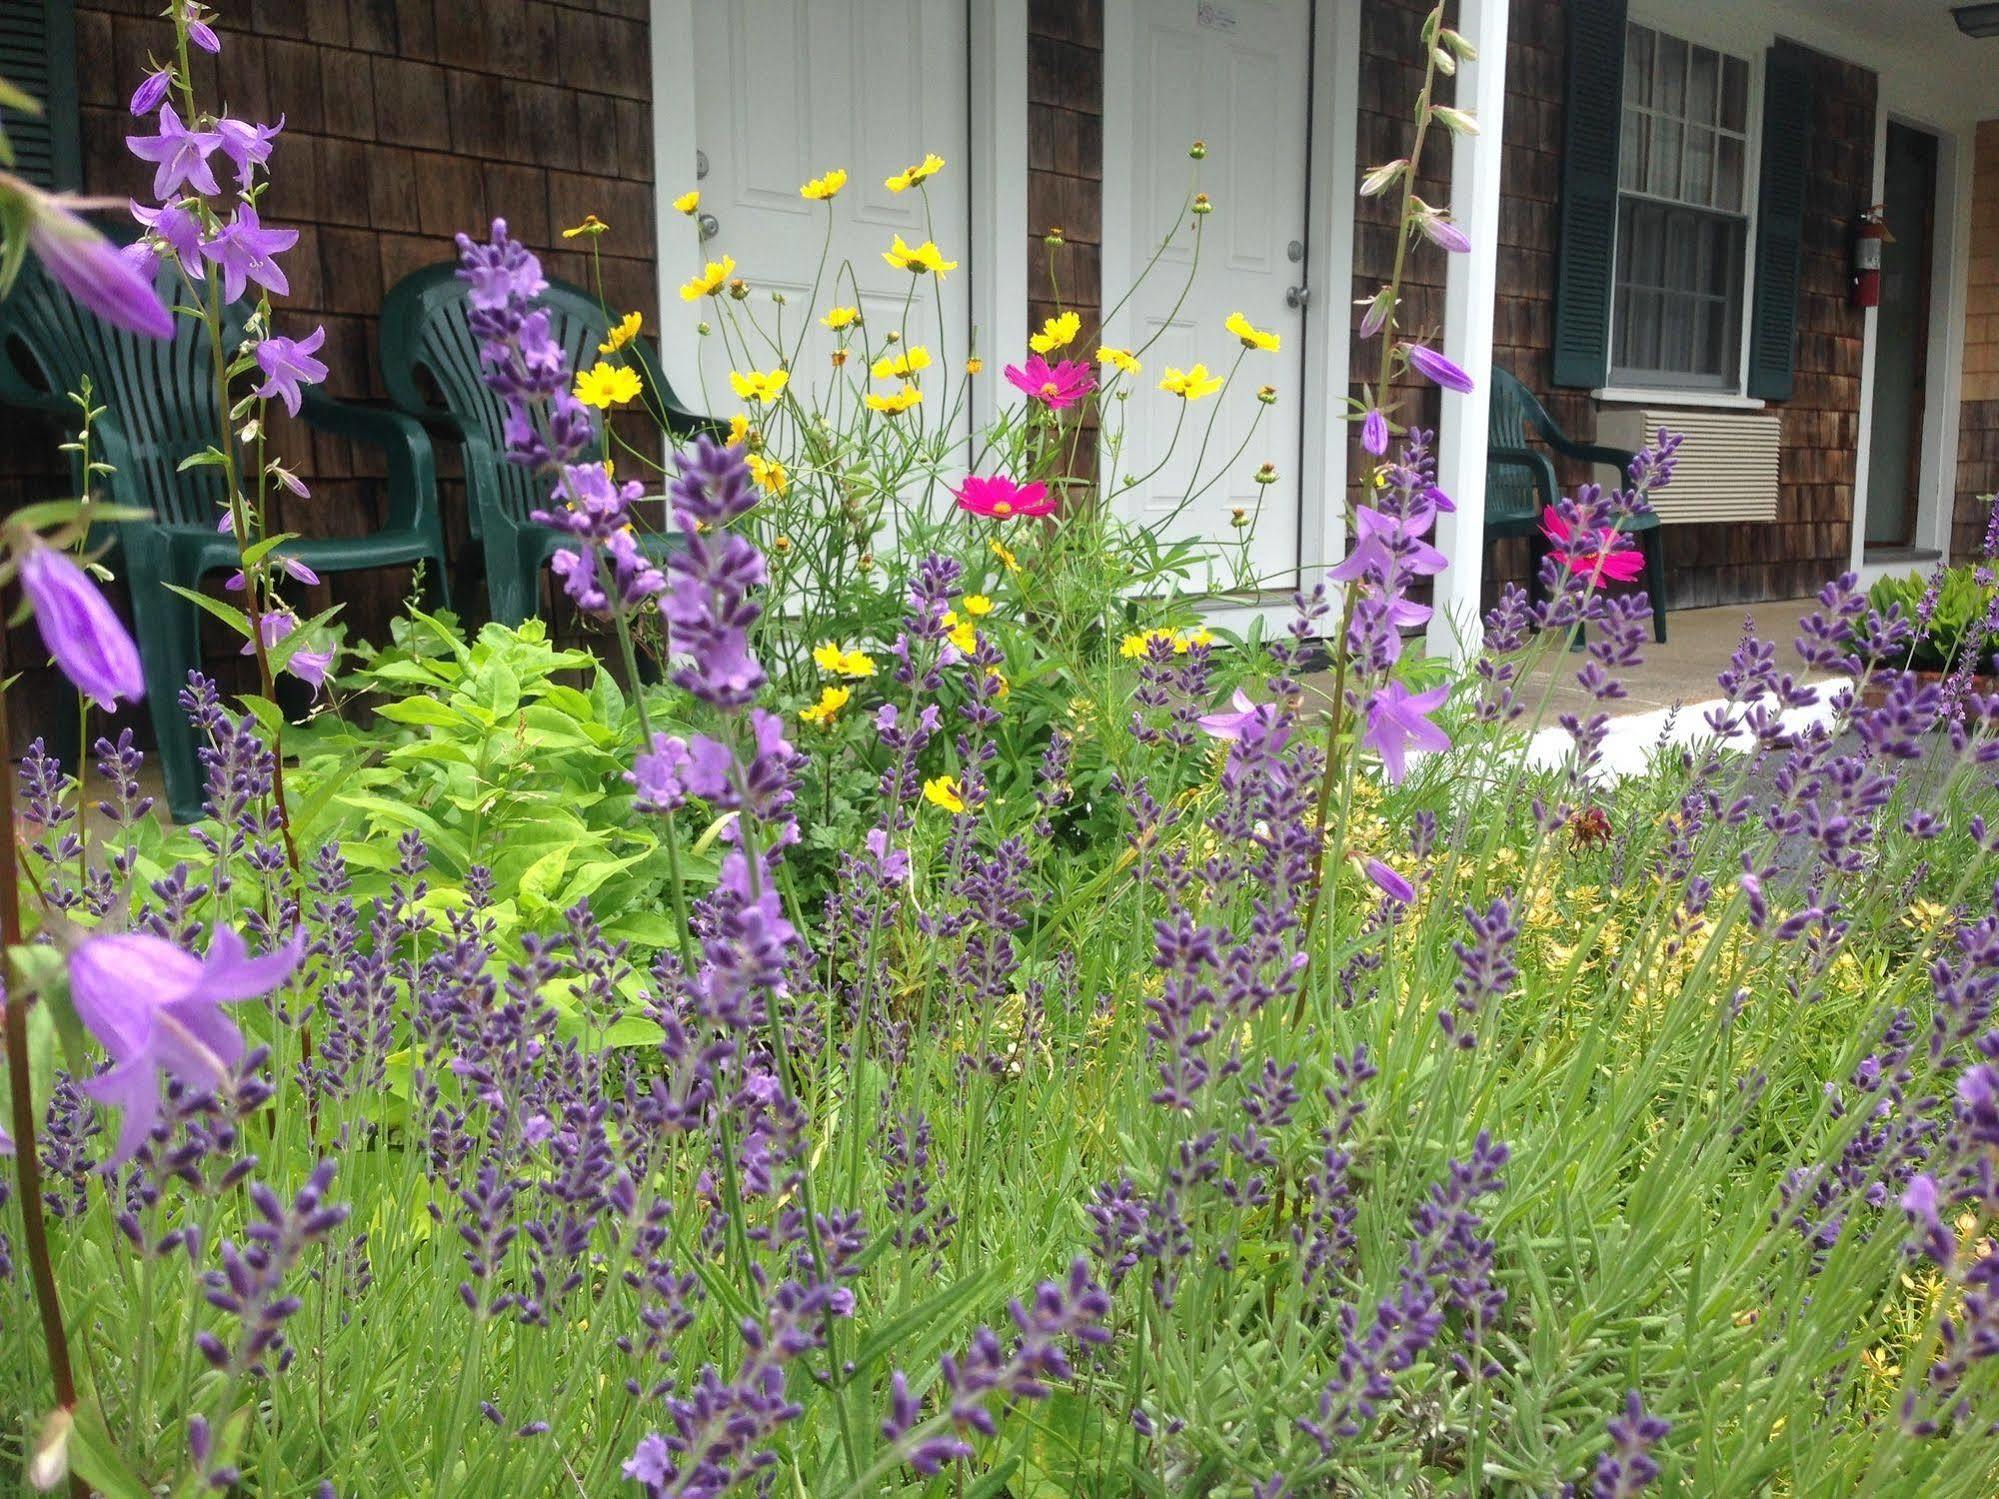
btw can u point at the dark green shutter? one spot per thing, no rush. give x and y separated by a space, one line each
1780 223
38 55
1591 126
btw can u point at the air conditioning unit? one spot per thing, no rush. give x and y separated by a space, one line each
1727 465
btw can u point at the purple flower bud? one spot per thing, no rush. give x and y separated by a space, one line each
86 639
115 285
152 91
1374 432
1389 883
1440 231
1435 368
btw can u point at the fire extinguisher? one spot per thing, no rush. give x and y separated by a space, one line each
1870 233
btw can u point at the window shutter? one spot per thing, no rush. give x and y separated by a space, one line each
1780 223
1590 131
38 54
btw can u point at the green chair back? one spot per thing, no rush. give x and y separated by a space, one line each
1515 418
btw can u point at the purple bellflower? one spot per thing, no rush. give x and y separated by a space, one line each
179 156
158 1008
288 364
1398 721
87 640
1438 370
115 284
245 251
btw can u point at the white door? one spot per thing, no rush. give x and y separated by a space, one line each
1233 74
784 91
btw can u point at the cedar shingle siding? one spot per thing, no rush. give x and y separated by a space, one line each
1978 417
1065 172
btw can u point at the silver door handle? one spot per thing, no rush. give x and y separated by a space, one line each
1297 296
709 225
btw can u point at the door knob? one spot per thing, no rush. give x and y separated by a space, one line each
1297 296
709 225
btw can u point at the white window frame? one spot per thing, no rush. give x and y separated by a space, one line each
1750 54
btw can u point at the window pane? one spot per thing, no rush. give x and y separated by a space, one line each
1662 175
1721 258
1728 175
1682 253
1703 67
1670 77
1734 94
1699 184
1631 156
1638 67
1678 310
1676 333
1722 352
1647 246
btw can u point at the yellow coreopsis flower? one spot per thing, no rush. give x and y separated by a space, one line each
834 658
820 189
607 385
591 225
1252 336
822 713
1056 333
1182 640
1007 559
910 361
711 280
769 475
960 632
626 329
1118 359
842 317
978 605
1191 385
739 429
688 202
925 257
944 791
902 181
974 365
998 678
761 386
896 404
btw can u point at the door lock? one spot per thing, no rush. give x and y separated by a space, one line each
1297 296
709 225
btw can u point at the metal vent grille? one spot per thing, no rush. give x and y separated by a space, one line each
1727 468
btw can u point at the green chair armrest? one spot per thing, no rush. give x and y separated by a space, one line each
1537 464
402 441
1591 452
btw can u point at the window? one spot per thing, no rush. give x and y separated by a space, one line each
1682 215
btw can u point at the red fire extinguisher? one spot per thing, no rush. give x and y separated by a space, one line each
1870 233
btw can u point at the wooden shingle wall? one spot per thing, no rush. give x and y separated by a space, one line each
1065 176
1978 417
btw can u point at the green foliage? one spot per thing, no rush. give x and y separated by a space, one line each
1957 621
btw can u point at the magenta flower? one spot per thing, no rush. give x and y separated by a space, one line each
243 250
87 640
1053 385
287 364
1000 498
1398 721
158 1009
1229 724
1374 432
114 284
1611 559
1438 370
179 156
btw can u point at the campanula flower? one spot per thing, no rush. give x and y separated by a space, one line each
152 91
1389 883
179 156
82 633
157 1008
245 251
247 144
1374 432
287 364
1001 498
1055 386
1438 370
178 229
1398 721
1229 723
115 284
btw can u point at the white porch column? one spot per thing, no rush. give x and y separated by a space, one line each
1468 300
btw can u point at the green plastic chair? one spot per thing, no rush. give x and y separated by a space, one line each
430 363
159 409
1520 483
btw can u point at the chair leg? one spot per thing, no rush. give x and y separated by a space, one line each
164 659
1655 584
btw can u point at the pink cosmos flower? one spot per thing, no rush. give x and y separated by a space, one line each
157 1008
1614 559
1053 385
1398 721
1001 499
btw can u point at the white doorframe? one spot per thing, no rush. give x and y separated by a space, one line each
996 258
1332 176
1943 380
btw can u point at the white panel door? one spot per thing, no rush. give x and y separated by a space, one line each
1234 74
784 91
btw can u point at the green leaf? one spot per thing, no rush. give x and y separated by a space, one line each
231 616
94 1457
258 551
426 711
206 458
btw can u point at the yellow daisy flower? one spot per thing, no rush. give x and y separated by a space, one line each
688 202
1118 359
607 385
896 404
944 791
820 189
1007 559
1135 646
978 605
910 361
1056 333
591 225
761 386
842 317
974 365
623 333
1191 384
771 476
822 713
710 281
902 181
960 632
1252 336
835 659
739 429
925 257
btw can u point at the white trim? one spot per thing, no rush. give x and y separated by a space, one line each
1332 170
1471 283
1118 257
997 33
674 142
1667 395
